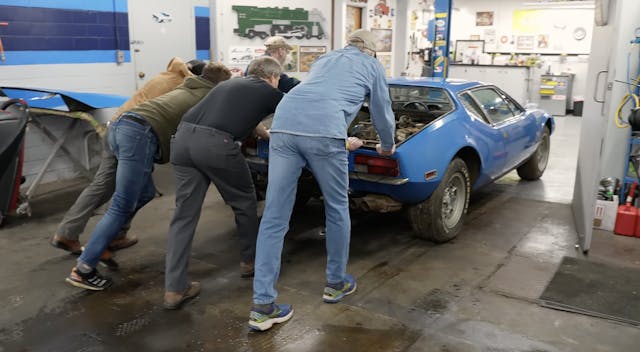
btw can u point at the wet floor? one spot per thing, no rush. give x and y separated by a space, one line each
476 293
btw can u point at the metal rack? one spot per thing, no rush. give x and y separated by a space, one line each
632 164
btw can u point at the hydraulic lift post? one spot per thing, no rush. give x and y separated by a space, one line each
439 38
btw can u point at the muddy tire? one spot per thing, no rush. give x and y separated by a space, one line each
533 168
440 218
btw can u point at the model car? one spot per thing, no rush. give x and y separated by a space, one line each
452 136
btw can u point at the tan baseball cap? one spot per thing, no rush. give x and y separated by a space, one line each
365 37
277 42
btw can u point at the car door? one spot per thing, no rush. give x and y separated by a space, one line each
489 140
509 119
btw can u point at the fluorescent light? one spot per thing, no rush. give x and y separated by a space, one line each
586 4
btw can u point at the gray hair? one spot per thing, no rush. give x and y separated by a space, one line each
265 67
358 43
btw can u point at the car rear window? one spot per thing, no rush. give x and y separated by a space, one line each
420 99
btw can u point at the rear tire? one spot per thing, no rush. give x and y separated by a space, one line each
534 167
440 218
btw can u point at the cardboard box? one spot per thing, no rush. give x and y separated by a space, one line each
604 217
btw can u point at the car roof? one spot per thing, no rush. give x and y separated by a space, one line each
452 84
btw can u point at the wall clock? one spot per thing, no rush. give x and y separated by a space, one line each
579 33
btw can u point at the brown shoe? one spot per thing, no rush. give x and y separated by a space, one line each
122 243
246 269
174 300
72 246
106 260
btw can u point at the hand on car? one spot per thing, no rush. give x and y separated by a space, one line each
385 152
354 143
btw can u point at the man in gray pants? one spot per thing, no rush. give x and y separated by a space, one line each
204 151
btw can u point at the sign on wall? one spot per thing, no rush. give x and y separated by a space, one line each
262 22
309 54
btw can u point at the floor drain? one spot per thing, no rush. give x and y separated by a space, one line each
124 329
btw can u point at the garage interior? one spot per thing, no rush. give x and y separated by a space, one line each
489 289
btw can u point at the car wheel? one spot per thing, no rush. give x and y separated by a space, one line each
533 168
440 218
251 34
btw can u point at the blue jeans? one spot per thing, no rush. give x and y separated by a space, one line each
135 147
288 154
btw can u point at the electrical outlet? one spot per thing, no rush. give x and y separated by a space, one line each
119 56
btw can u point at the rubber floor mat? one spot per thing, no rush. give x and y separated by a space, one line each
596 289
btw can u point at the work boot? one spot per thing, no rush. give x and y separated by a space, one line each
122 243
72 246
246 269
174 300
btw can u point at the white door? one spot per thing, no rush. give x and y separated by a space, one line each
593 128
160 30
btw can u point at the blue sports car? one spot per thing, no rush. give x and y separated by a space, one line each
452 137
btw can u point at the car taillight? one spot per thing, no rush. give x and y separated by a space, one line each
377 165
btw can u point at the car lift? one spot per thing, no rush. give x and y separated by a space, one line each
439 31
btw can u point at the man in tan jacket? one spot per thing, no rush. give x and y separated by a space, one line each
102 187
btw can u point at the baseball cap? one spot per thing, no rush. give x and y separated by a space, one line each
365 37
277 42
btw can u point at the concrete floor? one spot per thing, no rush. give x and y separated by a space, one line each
476 293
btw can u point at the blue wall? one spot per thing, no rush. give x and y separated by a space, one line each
203 35
64 31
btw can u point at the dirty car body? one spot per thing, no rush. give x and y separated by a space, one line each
452 137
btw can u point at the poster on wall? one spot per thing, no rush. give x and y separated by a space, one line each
309 54
490 37
468 51
543 41
244 55
524 42
292 66
384 39
385 60
484 18
262 22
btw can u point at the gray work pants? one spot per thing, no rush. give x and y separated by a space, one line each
201 155
98 192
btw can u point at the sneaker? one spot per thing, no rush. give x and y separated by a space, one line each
334 294
72 246
260 320
90 281
174 300
246 269
122 243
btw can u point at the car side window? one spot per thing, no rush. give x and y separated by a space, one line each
471 106
495 108
513 106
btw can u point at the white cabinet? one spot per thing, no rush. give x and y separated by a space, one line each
512 79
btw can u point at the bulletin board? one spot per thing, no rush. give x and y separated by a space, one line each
549 31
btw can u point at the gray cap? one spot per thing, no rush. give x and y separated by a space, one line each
277 42
365 37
